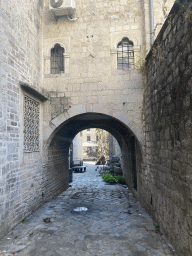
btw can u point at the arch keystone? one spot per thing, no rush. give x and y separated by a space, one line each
101 108
77 110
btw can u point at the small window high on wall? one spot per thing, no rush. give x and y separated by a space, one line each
125 54
57 59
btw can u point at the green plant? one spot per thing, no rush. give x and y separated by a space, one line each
25 220
120 178
109 178
43 194
157 226
140 64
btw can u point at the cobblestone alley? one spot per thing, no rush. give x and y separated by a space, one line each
115 224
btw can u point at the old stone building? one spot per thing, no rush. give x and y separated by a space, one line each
87 144
63 74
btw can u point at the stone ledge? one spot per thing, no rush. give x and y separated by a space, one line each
41 96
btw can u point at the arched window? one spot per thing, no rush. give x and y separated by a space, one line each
57 59
125 54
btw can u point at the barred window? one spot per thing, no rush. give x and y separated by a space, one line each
125 54
57 59
31 125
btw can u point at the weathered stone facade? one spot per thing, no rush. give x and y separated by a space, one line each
20 50
90 43
91 82
165 180
154 134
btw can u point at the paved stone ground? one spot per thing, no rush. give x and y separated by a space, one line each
106 228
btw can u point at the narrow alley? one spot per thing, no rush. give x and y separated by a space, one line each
111 223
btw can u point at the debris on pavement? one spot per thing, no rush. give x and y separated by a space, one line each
47 219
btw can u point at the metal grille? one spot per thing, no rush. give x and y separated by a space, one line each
31 125
57 60
125 54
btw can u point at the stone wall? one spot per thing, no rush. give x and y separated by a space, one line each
91 75
20 51
91 80
23 178
91 83
165 181
59 103
78 147
55 173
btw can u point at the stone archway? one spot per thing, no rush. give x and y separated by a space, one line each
76 110
61 131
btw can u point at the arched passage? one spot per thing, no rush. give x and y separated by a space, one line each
102 109
62 136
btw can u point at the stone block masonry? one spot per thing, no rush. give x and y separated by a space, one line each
91 83
55 171
166 179
59 103
20 37
91 75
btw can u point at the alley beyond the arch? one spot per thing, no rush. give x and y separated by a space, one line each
112 223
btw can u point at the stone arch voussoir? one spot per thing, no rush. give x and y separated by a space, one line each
52 128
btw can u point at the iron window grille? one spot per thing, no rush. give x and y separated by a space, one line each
125 54
31 125
57 60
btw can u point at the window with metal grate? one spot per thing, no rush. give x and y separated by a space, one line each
125 54
57 59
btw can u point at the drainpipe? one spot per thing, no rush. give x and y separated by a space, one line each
151 16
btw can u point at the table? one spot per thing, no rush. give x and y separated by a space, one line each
79 168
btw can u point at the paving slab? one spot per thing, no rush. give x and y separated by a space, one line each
114 224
